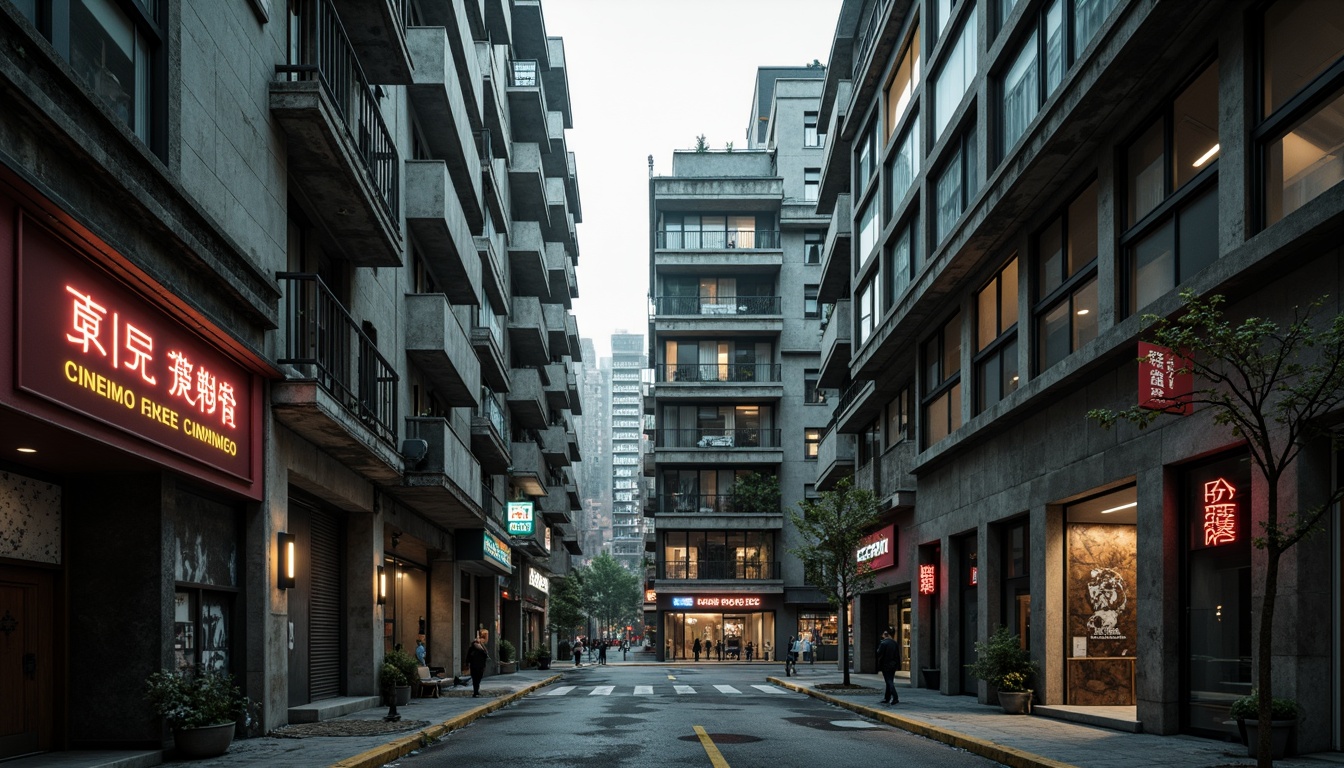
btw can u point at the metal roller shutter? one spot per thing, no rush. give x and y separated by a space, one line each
325 610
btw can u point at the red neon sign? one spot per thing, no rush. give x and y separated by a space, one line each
975 575
928 581
1220 513
1165 379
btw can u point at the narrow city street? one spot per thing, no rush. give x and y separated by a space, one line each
705 714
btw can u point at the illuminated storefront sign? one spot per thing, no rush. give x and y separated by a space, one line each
497 550
928 579
519 515
1220 513
650 596
91 344
716 602
975 575
538 580
1165 379
878 550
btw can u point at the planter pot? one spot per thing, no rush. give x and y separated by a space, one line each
401 694
1015 702
544 663
933 678
508 667
208 741
1282 735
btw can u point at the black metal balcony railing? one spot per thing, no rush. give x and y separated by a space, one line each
850 393
523 73
721 569
322 52
492 411
717 437
718 305
713 372
323 341
683 240
701 504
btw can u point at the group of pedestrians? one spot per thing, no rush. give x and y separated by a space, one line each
596 649
799 648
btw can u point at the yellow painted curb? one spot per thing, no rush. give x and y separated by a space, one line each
422 738
999 753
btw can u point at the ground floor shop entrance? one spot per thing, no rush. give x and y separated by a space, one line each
722 636
1100 600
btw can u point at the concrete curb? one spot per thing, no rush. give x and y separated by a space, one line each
999 753
422 738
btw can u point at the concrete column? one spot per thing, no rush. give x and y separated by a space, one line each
1048 615
443 619
363 616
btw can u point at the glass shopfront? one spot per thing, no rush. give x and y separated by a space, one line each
898 616
722 636
824 632
1101 602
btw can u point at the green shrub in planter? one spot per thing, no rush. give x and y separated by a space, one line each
1002 662
506 651
389 677
404 662
195 698
1248 708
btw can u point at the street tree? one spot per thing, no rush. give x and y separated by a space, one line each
611 592
831 529
566 605
1271 386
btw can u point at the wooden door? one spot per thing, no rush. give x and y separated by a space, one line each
27 661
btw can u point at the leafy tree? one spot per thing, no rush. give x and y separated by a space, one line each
1271 386
701 143
566 604
755 494
613 595
831 529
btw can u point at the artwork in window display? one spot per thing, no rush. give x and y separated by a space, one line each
214 634
1101 572
205 543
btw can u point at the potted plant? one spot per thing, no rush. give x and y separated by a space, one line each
543 657
1002 662
409 669
507 663
1284 714
391 682
203 708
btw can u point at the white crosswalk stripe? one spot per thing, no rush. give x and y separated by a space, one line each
769 688
643 690
727 689
560 691
681 689
602 690
654 690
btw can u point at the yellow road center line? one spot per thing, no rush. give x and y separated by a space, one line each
715 757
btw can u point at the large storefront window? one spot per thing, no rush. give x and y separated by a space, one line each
206 572
1101 602
1217 514
722 636
824 632
407 604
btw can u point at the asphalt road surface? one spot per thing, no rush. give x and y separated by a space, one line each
722 716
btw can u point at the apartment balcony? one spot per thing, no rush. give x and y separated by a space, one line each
377 30
718 314
554 446
436 220
555 507
711 511
556 332
495 191
441 349
835 161
572 442
528 464
648 465
745 249
575 398
527 261
718 446
494 277
339 150
835 346
556 386
835 458
564 286
461 23
560 228
572 493
556 79
487 339
443 485
835 260
527 332
527 401
533 544
718 570
493 61
489 435
857 407
572 334
722 381
437 93
555 160
340 393
527 101
498 19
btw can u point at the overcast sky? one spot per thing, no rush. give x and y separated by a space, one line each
646 77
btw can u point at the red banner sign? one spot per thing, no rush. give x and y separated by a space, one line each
93 345
928 579
878 550
1165 379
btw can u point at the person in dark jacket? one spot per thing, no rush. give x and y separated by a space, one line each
477 655
695 648
888 661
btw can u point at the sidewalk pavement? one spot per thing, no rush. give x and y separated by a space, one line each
363 739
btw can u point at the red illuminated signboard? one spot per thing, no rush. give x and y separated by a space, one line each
878 550
1220 513
1165 379
928 579
92 344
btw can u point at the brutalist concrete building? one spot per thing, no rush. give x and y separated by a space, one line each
734 265
1011 186
290 379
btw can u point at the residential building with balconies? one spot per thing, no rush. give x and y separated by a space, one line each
1014 188
733 336
628 363
322 252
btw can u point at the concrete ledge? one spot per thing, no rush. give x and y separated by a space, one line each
329 709
1073 715
999 753
393 750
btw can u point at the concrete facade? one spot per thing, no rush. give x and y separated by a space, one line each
351 251
988 492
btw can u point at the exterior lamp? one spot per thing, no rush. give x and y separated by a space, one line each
382 586
284 576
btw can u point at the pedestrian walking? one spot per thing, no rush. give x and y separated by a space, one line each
578 653
602 652
695 648
769 649
888 661
750 650
807 650
791 657
477 656
718 648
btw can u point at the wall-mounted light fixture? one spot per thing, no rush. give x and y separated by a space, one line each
382 585
285 560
